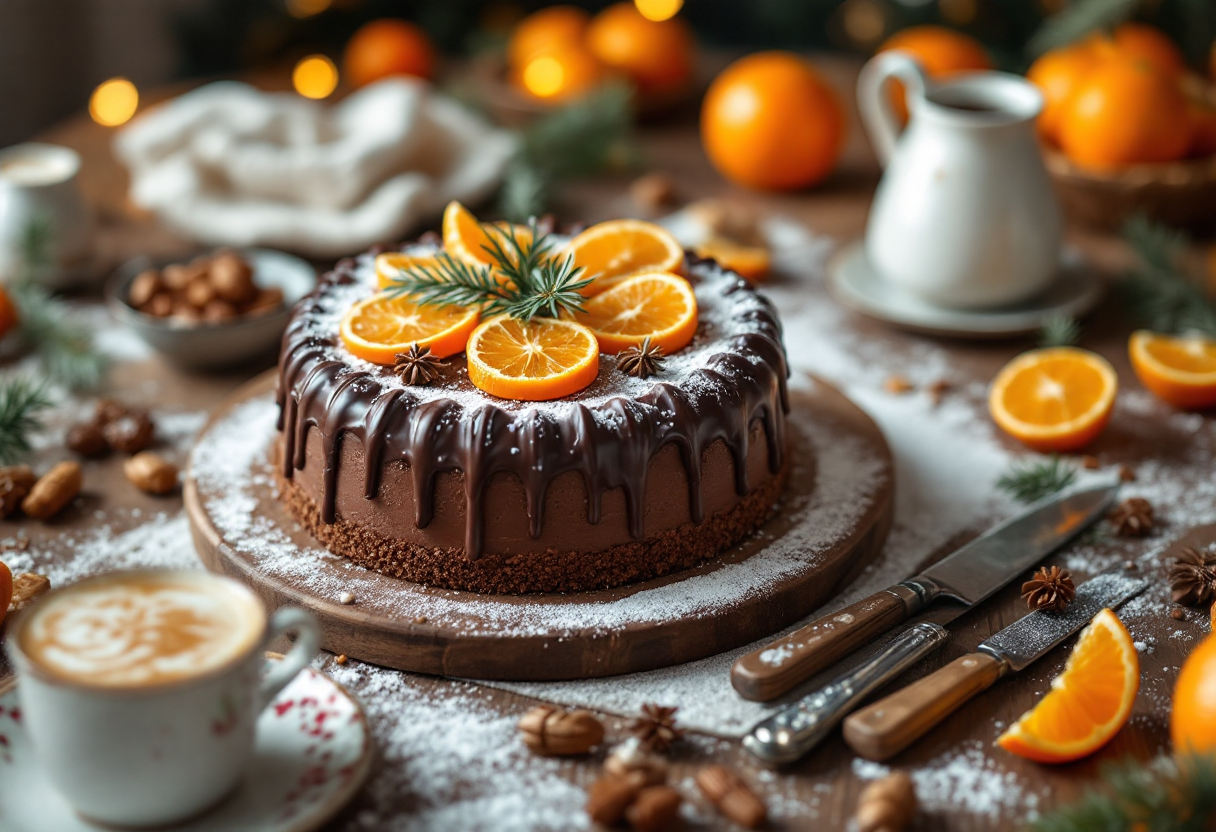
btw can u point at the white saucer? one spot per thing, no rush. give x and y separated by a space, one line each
313 753
856 285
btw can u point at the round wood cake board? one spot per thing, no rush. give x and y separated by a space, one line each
545 637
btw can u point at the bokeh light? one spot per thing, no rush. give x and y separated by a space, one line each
544 77
307 8
658 9
864 21
114 102
315 76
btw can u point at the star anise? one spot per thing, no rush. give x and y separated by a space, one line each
1193 577
1050 589
656 728
643 361
418 366
1133 517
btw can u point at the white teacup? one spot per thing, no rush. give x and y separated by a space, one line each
141 690
965 215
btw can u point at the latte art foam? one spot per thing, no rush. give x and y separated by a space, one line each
142 630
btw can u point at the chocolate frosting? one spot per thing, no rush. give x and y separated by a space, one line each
739 376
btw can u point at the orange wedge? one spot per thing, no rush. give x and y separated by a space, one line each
380 327
391 263
614 250
658 306
1180 370
532 361
466 239
6 589
1056 399
1088 703
750 262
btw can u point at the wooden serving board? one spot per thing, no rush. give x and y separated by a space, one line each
832 521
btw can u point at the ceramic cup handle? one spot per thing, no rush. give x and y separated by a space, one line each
308 643
881 120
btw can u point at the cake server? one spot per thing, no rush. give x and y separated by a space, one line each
883 729
968 576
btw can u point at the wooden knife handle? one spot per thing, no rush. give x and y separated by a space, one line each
778 668
882 730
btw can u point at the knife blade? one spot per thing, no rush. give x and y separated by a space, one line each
969 575
888 726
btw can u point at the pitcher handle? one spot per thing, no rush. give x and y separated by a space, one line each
308 642
880 119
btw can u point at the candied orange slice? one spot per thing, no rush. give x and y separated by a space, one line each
1179 370
380 327
614 250
534 360
1056 399
391 263
658 306
751 262
466 239
1088 703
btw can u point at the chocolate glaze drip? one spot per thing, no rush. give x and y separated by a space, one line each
742 383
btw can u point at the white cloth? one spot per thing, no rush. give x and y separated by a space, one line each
230 165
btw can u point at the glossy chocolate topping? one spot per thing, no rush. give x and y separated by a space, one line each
732 374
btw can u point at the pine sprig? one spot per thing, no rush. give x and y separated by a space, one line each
1078 19
1167 796
525 282
1031 481
63 345
1158 290
21 402
1059 330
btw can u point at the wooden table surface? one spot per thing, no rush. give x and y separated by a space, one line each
826 778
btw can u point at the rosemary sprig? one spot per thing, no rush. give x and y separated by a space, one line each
21 402
525 282
1031 481
1158 291
1059 330
1164 796
1078 19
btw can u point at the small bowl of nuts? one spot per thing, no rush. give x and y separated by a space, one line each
215 311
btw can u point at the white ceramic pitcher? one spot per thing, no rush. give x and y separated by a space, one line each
965 215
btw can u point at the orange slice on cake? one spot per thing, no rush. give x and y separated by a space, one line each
467 240
532 361
1179 370
655 305
1088 703
615 250
391 263
750 262
1056 399
380 327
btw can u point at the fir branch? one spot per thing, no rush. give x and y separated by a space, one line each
35 248
1077 20
1059 330
450 282
1032 481
63 345
21 402
1163 296
1166 796
580 139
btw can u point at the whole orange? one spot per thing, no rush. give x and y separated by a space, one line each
657 56
941 51
1057 73
9 318
1193 715
555 26
1124 112
1139 40
387 47
558 73
770 121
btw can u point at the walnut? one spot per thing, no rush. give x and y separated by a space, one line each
233 278
87 439
160 306
145 286
151 473
130 433
53 491
887 805
555 732
654 809
15 483
731 796
200 292
609 797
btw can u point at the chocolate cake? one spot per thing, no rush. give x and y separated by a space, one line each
446 485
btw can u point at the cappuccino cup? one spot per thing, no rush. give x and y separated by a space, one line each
140 690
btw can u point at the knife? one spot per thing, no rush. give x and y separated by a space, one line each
968 575
883 729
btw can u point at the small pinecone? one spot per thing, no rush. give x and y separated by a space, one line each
1050 589
1133 517
656 728
1193 577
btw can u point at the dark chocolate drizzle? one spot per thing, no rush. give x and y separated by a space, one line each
742 383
